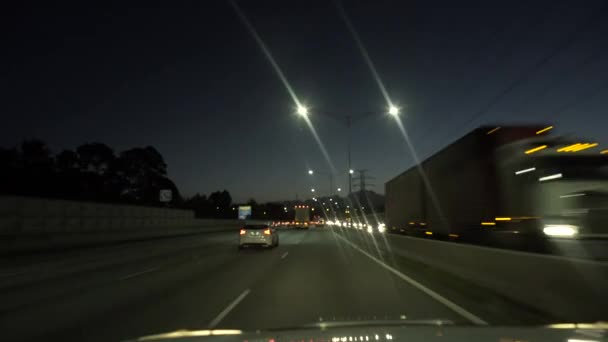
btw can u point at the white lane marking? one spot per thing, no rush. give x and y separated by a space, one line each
229 308
133 275
284 255
453 306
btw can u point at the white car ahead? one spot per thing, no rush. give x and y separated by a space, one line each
258 235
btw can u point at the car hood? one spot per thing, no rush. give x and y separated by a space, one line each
388 331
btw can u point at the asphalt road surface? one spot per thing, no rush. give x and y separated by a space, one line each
124 291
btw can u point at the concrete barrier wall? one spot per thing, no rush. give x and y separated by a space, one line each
566 288
23 215
28 224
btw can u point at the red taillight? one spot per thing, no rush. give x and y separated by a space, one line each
266 231
243 231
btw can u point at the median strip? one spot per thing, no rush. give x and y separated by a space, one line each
453 306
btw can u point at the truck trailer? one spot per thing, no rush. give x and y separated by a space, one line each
302 216
503 184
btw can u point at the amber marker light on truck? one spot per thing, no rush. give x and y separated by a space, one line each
585 146
493 130
536 149
544 130
488 223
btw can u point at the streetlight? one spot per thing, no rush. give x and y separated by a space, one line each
339 189
346 120
331 179
351 171
303 111
394 111
312 190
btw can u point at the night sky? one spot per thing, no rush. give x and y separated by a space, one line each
191 81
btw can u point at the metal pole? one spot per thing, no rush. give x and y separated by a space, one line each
350 186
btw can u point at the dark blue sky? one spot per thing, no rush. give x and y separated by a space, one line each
191 81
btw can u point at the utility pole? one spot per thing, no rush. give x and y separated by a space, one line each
350 176
363 180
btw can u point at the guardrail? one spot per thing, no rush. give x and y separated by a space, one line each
568 288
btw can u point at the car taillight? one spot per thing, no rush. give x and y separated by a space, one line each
266 231
243 231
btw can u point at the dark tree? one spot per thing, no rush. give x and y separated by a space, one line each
144 171
95 157
10 175
36 170
200 205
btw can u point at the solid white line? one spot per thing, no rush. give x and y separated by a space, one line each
227 310
139 273
284 255
453 306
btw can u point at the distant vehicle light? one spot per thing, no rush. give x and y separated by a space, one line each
423 223
563 230
243 231
536 149
604 152
370 230
502 219
428 233
546 178
381 227
453 235
544 130
525 171
488 223
266 231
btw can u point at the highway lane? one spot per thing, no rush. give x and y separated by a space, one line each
203 281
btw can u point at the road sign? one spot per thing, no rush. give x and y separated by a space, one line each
244 212
166 195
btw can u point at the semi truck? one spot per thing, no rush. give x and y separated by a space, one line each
513 185
302 216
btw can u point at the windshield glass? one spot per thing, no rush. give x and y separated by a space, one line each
239 166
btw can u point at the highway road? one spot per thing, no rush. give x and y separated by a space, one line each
202 281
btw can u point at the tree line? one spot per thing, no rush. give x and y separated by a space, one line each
91 172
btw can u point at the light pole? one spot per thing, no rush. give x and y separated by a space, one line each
346 120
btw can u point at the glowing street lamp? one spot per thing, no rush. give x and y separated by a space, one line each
339 189
303 111
394 111
310 172
312 190
351 171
